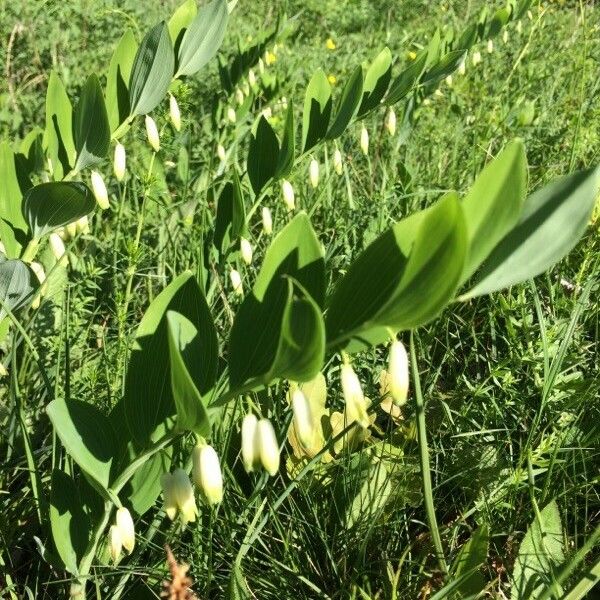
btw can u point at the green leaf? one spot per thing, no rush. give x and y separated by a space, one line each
540 553
91 130
18 284
68 521
552 221
403 279
86 435
499 20
230 223
468 37
317 110
148 402
152 70
444 67
405 82
187 349
377 80
470 559
203 37
58 134
348 104
493 204
52 205
288 145
180 21
256 336
13 183
263 155
117 79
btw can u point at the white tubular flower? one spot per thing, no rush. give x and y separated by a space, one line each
184 495
231 116
250 456
174 112
207 473
337 162
251 78
239 96
505 36
462 67
58 249
449 80
268 448
115 542
390 122
519 27
236 282
246 88
490 46
82 225
125 524
356 405
221 152
398 373
120 162
313 173
261 65
170 500
246 250
71 229
152 133
288 195
476 58
267 221
99 189
364 141
303 421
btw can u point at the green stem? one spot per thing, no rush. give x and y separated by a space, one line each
424 460
30 250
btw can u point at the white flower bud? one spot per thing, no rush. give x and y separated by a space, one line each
71 230
303 421
152 133
236 282
207 473
246 250
268 448
267 221
83 225
120 162
505 36
99 189
221 152
398 373
449 80
246 88
125 524
364 141
313 173
115 542
356 405
184 496
174 112
267 112
251 78
462 67
337 162
231 116
288 195
519 26
390 122
261 65
239 96
58 248
170 500
490 46
250 456
530 15
476 58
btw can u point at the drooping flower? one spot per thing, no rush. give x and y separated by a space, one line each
115 542
337 162
268 448
231 116
313 173
236 282
207 472
288 195
398 373
179 496
267 221
125 524
58 249
303 421
390 121
100 191
356 405
250 456
246 250
152 133
174 112
364 140
120 162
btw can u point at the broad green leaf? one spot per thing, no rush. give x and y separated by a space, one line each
407 79
86 435
13 184
52 205
468 37
32 150
117 80
152 70
317 110
541 552
348 104
469 559
18 284
433 49
553 219
202 38
522 7
257 329
377 80
188 351
288 145
263 155
403 279
493 205
230 223
148 402
91 130
444 67
499 20
68 521
180 21
58 134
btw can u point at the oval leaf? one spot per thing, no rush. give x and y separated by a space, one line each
18 284
263 155
317 110
348 104
377 80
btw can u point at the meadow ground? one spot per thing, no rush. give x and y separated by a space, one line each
511 380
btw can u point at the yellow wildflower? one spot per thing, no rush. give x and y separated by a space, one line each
330 44
332 79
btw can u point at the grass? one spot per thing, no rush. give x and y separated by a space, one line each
510 382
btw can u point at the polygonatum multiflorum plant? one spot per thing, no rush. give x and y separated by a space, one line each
296 315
